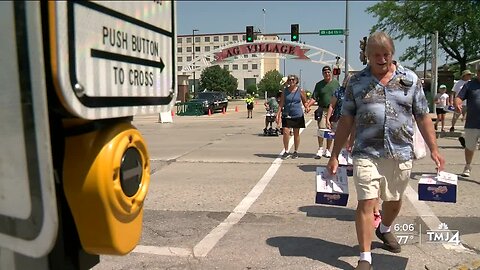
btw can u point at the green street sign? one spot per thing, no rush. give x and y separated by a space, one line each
331 32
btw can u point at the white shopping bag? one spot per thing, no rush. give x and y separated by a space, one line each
419 145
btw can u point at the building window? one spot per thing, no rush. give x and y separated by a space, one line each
235 38
189 40
197 49
215 47
179 59
179 68
245 56
244 37
254 66
225 38
197 39
179 49
225 67
207 59
235 67
207 48
189 58
254 55
189 49
245 66
179 40
207 39
216 38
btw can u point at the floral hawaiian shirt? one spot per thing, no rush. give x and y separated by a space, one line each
383 113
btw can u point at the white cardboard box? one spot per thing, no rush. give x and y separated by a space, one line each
332 189
440 187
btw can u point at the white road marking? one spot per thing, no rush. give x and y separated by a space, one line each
164 251
427 215
207 243
210 240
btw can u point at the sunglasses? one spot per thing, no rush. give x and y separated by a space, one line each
291 79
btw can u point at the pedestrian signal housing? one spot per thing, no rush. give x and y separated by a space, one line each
106 177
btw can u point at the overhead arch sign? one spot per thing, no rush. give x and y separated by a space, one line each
294 51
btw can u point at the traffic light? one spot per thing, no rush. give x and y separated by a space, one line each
294 35
363 47
249 31
336 71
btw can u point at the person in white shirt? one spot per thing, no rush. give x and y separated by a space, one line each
466 76
441 99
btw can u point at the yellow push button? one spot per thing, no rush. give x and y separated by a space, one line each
106 177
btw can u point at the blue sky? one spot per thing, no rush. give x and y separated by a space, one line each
232 16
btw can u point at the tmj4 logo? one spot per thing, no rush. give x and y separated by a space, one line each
443 235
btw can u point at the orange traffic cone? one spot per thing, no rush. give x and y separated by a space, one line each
223 110
209 112
236 108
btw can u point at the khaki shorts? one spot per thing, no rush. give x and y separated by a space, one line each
389 178
471 138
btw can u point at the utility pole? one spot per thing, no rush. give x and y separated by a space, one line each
346 38
193 62
434 66
264 22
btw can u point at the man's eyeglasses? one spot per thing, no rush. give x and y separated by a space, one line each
291 79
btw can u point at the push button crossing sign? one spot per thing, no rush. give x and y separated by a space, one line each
113 58
28 212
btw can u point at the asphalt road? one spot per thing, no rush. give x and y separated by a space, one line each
221 198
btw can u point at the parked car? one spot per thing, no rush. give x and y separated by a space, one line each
212 101
240 93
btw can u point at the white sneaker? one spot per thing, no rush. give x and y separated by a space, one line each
466 171
319 153
327 154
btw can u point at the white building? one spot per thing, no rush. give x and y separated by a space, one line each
247 68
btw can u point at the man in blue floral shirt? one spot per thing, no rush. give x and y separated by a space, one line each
381 100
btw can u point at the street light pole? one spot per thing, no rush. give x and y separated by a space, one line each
346 39
193 62
300 83
264 22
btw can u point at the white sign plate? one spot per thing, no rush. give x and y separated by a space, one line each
28 213
114 58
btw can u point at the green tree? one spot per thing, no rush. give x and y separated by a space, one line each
215 78
270 83
457 23
251 89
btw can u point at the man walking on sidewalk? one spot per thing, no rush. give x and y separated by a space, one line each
380 100
471 93
321 94
466 76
